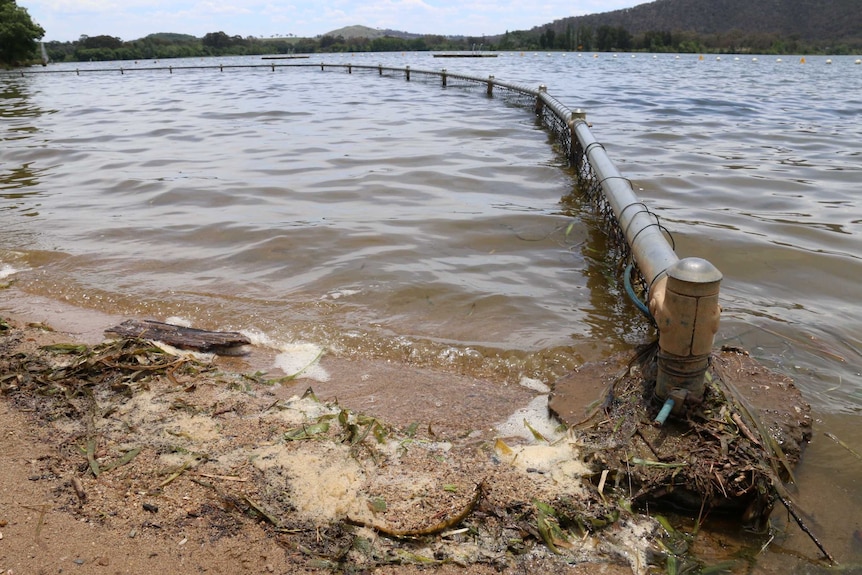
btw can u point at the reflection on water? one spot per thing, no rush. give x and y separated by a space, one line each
18 178
395 219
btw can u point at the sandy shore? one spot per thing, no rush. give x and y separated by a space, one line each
214 485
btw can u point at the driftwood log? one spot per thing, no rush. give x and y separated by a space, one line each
219 342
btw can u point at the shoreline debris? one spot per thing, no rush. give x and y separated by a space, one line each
181 337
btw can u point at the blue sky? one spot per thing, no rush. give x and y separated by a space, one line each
131 19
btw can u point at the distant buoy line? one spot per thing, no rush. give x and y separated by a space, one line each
636 235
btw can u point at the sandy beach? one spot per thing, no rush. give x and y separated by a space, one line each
217 483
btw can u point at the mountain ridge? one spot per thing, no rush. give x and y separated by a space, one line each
823 22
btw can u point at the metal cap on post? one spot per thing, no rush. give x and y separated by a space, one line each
540 105
575 150
686 310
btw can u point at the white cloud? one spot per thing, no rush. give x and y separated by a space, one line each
130 19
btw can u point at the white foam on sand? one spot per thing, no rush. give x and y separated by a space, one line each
558 464
533 441
324 480
538 417
301 359
534 384
298 359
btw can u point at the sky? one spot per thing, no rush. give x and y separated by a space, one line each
66 20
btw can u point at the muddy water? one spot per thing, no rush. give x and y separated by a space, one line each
391 219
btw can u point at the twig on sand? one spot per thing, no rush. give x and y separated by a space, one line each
42 508
438 527
91 456
126 458
262 512
185 467
224 477
79 489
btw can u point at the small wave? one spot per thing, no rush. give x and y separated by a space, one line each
7 270
340 293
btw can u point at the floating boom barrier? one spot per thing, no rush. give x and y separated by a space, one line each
681 294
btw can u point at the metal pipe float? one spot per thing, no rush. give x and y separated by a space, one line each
683 294
650 249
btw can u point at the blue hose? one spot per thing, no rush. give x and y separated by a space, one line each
664 412
630 291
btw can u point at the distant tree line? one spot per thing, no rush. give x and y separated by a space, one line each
161 46
608 38
604 38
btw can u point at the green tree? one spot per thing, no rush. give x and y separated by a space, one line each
18 34
585 38
111 42
217 40
606 38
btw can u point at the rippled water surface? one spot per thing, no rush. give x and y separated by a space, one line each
386 218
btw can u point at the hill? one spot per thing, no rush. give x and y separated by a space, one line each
349 32
825 23
172 37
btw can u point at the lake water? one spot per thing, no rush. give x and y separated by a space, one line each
393 219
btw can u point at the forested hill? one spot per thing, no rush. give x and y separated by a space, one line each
755 24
